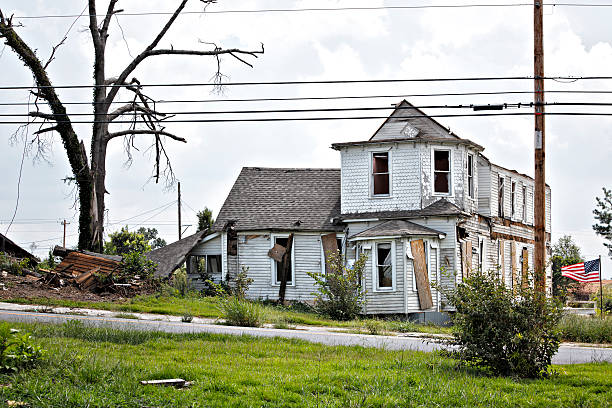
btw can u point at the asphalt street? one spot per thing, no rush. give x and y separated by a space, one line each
567 354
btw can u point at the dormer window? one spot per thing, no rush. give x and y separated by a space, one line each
442 172
380 174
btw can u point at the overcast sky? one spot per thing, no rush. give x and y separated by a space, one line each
304 46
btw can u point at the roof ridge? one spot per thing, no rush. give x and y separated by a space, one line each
290 168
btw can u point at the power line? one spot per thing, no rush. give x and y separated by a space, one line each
326 9
320 119
317 82
505 105
309 98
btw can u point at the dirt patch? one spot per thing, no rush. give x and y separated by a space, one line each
23 287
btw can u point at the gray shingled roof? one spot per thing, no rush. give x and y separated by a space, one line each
397 227
282 199
405 113
442 207
171 257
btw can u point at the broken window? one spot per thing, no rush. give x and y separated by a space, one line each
500 197
513 199
283 241
380 174
470 175
524 203
384 265
442 173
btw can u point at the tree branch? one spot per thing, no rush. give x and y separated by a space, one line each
48 116
218 51
157 132
133 107
49 129
109 15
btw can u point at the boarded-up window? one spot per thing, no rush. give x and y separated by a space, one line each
442 173
500 197
470 175
380 174
384 266
277 265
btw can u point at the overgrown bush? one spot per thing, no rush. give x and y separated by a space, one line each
181 283
505 333
586 329
12 265
241 283
240 312
339 293
135 264
17 349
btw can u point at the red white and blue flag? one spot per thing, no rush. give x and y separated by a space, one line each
582 272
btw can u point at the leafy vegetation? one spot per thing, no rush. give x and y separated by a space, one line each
205 219
17 350
603 216
241 312
585 329
339 292
564 252
498 331
12 265
104 367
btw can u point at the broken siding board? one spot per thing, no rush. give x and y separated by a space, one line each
421 274
468 258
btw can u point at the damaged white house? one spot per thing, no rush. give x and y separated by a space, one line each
423 204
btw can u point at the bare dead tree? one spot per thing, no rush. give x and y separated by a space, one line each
145 119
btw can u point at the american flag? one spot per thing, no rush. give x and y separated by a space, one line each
582 272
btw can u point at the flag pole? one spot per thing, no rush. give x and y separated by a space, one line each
601 305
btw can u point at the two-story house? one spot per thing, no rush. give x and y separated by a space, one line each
423 204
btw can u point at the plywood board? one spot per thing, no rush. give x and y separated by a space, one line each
420 271
277 252
525 269
468 258
330 245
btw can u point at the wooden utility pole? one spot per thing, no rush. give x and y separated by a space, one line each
179 211
64 223
539 207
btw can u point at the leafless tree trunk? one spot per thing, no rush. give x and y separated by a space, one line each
90 178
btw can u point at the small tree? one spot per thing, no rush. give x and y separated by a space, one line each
205 219
504 333
150 235
125 241
564 252
603 216
339 293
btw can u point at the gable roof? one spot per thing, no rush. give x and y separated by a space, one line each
282 199
397 228
440 208
170 257
405 114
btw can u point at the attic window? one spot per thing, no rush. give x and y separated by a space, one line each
442 171
410 131
380 174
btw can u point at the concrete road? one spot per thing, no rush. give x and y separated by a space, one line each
567 354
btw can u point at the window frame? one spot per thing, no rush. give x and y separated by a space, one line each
524 203
512 199
471 178
389 173
501 187
451 190
342 248
393 287
273 281
482 250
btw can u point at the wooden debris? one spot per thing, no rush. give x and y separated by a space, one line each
277 252
172 382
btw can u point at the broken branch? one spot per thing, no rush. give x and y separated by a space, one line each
145 132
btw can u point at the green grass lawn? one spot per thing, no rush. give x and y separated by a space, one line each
208 307
103 367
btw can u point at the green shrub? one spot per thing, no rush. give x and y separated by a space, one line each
135 264
181 283
504 333
240 312
374 326
187 317
586 329
17 350
339 293
242 283
12 265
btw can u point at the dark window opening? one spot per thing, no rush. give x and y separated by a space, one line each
385 266
524 203
500 198
470 174
380 173
513 199
279 277
442 171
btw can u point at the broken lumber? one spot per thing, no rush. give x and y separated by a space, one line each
172 382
